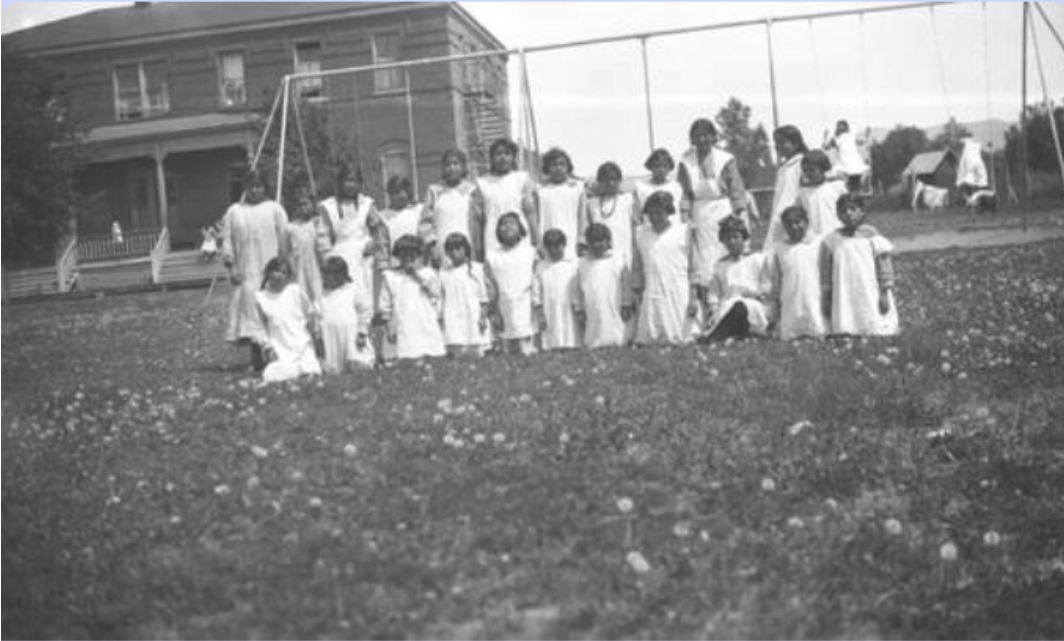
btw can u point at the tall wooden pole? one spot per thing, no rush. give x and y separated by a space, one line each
1023 117
772 85
284 133
646 91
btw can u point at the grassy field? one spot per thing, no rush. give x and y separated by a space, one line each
903 488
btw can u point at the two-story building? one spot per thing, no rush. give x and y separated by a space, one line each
175 95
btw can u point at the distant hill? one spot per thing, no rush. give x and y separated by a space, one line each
992 131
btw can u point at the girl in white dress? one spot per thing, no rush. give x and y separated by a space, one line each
796 279
660 164
818 195
346 313
504 190
352 229
465 299
790 148
554 294
410 303
603 300
302 245
449 207
739 292
559 202
287 315
614 209
510 269
849 164
403 215
660 276
858 276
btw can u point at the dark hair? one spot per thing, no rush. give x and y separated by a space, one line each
504 143
848 200
520 226
608 169
817 158
843 125
794 210
700 125
400 183
255 177
458 155
731 224
660 155
554 154
554 238
276 263
596 232
662 200
408 244
793 135
345 172
337 266
458 240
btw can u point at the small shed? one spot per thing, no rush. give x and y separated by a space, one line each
936 168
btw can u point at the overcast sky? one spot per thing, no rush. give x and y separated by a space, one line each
590 100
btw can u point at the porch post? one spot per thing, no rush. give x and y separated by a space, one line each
159 155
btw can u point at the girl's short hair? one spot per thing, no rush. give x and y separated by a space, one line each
398 184
848 200
795 210
660 200
730 225
793 135
817 158
554 154
346 172
554 238
503 143
596 232
256 177
700 125
408 244
660 155
607 170
276 264
842 125
522 232
458 155
456 240
336 266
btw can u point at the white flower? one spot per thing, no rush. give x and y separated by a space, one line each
315 503
444 405
625 504
563 438
260 452
478 438
638 562
796 428
498 437
221 490
948 551
350 449
437 419
992 538
682 529
600 400
768 485
892 526
795 522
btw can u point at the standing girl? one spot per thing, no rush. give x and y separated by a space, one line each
790 148
857 276
615 210
302 245
661 275
818 195
346 313
740 288
504 190
603 303
403 215
795 265
410 302
465 299
286 314
559 202
554 294
449 206
510 268
660 164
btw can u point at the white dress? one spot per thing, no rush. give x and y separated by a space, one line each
401 223
796 284
303 254
346 312
819 202
971 170
344 231
559 208
502 195
464 292
788 182
448 210
287 313
602 289
511 272
661 273
644 189
850 161
251 236
711 205
855 285
618 213
745 279
413 313
555 292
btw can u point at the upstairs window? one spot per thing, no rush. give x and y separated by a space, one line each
308 60
385 50
231 79
140 90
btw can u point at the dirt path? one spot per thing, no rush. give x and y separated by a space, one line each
976 238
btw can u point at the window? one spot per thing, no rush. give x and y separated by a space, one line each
395 161
231 78
140 90
308 60
385 50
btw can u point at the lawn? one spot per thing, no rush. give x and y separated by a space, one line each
901 488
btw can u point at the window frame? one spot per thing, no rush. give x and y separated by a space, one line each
223 97
382 87
309 88
146 109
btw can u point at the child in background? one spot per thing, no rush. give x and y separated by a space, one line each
554 294
661 275
615 210
857 276
449 207
302 245
740 288
465 299
346 312
504 190
403 215
559 201
850 165
818 195
790 148
510 269
660 164
795 265
410 302
287 316
603 303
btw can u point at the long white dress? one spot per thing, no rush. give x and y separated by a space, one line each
303 254
644 189
971 170
661 273
796 285
345 231
346 312
448 210
402 222
413 313
743 279
850 161
511 272
464 292
287 314
555 293
711 205
502 195
819 203
855 284
251 236
788 183
602 289
619 214
559 207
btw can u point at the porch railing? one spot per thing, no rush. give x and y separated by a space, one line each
159 253
66 267
133 244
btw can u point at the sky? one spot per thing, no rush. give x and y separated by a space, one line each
892 68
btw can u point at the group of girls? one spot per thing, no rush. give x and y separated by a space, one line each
498 262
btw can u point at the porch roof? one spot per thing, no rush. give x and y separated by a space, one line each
157 138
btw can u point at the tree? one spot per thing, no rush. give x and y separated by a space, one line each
951 135
1041 152
890 157
749 146
40 198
